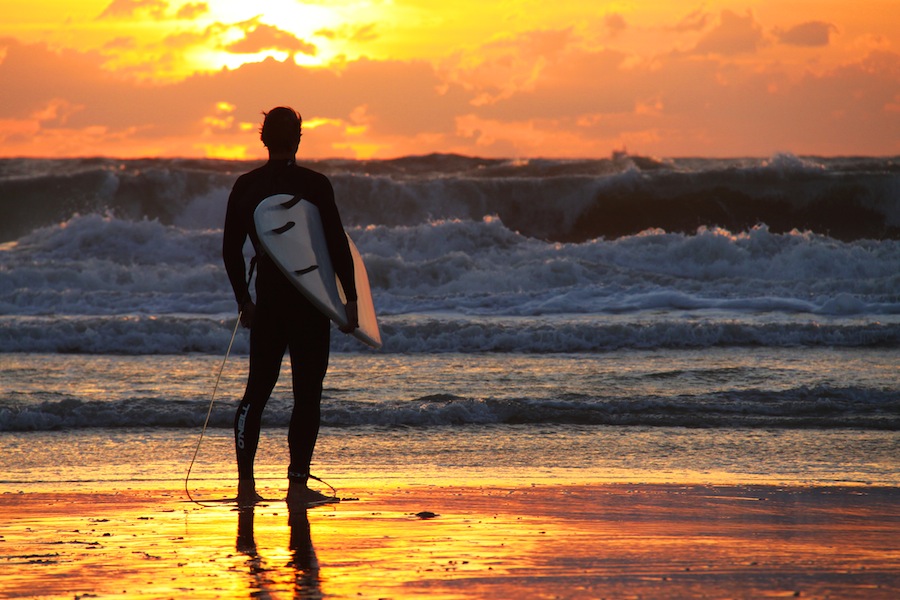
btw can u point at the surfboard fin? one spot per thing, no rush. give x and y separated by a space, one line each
292 202
286 227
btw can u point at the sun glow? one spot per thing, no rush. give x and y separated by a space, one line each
241 33
311 35
169 42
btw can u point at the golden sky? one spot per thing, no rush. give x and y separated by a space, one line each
505 78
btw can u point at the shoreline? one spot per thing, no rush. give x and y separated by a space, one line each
367 457
490 539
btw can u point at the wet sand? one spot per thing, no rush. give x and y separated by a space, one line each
456 541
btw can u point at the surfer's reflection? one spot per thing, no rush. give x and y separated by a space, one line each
303 558
246 543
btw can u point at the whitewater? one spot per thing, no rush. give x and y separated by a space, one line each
747 308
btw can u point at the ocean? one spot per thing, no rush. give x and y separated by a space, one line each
624 319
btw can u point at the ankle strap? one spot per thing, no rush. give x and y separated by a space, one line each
298 476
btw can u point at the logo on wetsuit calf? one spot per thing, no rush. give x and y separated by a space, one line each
242 423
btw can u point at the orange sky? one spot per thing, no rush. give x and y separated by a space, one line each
505 78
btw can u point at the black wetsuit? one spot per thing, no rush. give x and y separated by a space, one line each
283 318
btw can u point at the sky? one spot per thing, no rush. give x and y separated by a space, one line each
504 78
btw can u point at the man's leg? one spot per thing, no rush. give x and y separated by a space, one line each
309 362
267 346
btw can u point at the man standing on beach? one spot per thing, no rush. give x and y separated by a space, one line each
282 318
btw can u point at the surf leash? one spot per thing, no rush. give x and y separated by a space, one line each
209 410
331 487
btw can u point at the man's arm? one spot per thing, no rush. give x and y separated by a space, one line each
233 238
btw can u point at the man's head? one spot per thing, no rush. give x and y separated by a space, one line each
281 130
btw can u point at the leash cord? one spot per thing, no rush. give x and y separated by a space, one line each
209 410
331 487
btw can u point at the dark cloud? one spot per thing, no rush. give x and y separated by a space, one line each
260 37
192 10
119 9
696 21
125 9
811 34
615 23
365 33
735 34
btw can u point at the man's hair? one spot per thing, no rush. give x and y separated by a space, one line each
281 129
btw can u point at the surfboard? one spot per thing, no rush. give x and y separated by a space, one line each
290 230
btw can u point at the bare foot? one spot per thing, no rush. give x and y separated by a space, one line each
299 495
246 494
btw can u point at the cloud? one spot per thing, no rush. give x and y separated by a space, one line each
615 23
260 37
65 104
732 36
573 83
361 33
119 9
192 10
126 9
507 66
32 75
121 43
185 39
402 98
810 34
695 21
366 33
56 110
549 97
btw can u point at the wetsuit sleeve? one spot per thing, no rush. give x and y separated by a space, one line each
338 247
233 238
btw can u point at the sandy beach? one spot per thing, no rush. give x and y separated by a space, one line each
456 541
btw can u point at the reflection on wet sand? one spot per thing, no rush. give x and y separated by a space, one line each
303 561
572 541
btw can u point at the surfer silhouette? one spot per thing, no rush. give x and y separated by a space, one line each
281 319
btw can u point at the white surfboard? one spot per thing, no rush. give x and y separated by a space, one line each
291 232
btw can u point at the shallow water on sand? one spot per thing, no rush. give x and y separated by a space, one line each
471 453
716 416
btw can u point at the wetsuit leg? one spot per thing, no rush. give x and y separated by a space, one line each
309 346
268 342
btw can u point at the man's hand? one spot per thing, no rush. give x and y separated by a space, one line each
352 317
247 314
